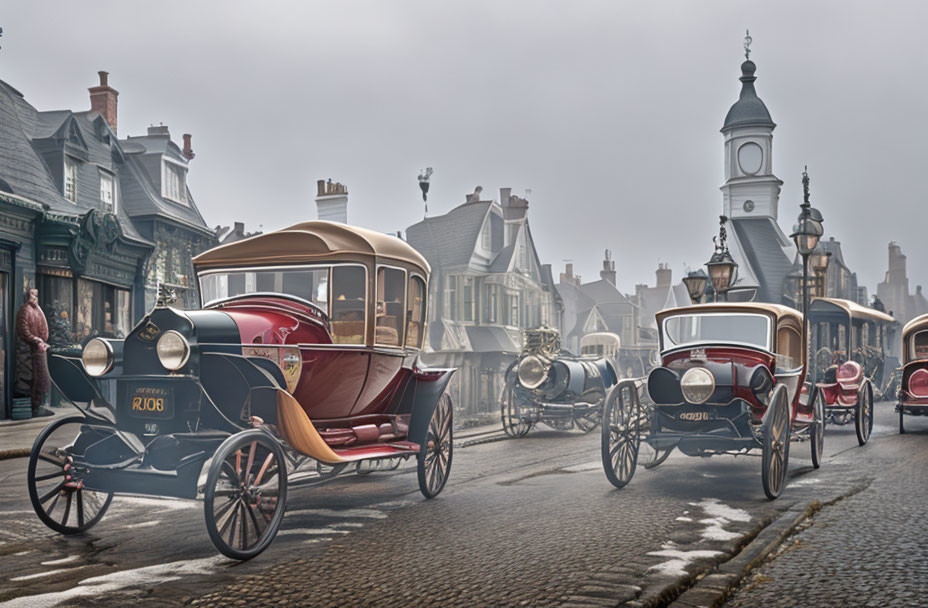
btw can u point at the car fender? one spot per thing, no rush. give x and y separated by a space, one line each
422 395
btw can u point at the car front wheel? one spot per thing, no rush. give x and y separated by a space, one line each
863 416
775 433
434 459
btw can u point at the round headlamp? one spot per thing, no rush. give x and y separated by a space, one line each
532 372
173 350
697 385
97 357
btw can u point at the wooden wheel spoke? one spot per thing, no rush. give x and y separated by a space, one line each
243 536
254 521
50 476
67 510
80 509
44 498
51 459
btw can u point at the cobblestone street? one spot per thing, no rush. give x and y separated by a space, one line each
866 550
523 522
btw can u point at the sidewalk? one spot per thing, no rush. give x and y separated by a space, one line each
17 436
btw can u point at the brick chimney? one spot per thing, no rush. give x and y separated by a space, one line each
103 100
514 212
568 276
608 271
332 201
188 149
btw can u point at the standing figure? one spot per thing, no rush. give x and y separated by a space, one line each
32 328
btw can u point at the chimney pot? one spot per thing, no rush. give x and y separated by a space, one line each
104 78
188 149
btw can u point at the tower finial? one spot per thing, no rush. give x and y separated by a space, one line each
747 44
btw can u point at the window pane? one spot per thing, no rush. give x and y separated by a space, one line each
310 285
348 305
56 295
415 313
391 306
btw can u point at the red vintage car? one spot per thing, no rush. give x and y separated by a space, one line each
848 340
729 382
913 393
306 351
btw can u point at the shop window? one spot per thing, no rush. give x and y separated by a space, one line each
56 296
415 313
391 306
348 304
102 310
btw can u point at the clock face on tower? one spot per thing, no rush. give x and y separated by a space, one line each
748 206
750 158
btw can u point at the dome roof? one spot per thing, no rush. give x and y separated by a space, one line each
749 110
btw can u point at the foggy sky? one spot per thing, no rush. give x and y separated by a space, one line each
609 112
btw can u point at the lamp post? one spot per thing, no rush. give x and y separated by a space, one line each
695 282
806 234
721 265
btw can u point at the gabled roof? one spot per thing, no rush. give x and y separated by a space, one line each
602 291
449 240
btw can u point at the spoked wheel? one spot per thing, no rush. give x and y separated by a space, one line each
590 419
435 457
55 489
863 414
621 435
517 414
657 458
246 491
775 433
817 430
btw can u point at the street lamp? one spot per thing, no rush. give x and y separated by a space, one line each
695 282
819 260
721 265
806 234
424 186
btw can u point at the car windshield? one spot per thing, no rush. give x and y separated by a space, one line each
310 284
713 328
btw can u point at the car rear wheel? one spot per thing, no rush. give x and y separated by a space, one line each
434 459
246 491
55 489
775 432
621 434
863 414
817 431
517 415
901 423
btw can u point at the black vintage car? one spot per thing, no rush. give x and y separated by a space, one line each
548 385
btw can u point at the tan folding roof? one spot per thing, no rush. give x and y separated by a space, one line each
855 310
313 242
779 311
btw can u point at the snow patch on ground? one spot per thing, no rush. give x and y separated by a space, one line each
172 504
719 516
352 513
310 531
679 560
40 574
63 560
805 482
116 581
144 524
684 519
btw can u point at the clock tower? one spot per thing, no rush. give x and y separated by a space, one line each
751 190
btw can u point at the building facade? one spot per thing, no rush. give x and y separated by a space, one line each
487 285
894 292
93 221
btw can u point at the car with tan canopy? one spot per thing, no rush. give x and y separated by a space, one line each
913 392
729 382
302 362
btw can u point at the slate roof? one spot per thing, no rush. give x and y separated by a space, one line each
602 291
749 110
20 165
762 244
448 240
142 195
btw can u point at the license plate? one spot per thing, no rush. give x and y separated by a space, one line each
150 402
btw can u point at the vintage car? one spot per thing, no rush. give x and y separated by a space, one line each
551 386
913 391
305 352
849 345
729 382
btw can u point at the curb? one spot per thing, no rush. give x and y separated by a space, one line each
715 588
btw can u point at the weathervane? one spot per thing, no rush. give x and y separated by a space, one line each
805 185
747 44
720 242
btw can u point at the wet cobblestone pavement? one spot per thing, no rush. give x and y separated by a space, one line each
867 550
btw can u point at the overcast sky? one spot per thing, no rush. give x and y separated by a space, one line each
609 112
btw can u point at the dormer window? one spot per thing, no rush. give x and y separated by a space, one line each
108 191
70 179
173 181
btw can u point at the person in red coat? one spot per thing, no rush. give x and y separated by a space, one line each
32 328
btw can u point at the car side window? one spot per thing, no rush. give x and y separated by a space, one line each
348 312
920 345
391 307
415 313
789 348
